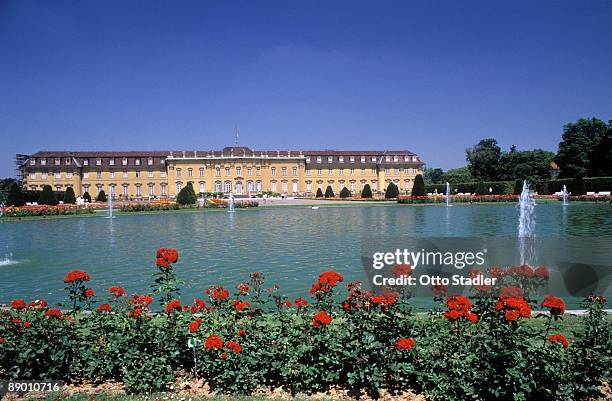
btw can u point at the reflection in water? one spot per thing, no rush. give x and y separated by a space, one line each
289 245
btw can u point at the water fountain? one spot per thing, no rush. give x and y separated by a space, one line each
526 224
448 194
8 260
110 207
230 204
565 196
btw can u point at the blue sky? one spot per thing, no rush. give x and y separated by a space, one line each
430 76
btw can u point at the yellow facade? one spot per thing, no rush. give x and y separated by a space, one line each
237 170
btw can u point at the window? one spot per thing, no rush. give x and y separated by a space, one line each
68 162
284 186
341 171
405 170
308 172
86 162
318 159
387 170
32 162
98 162
57 162
273 171
396 171
363 159
352 159
308 160
137 173
414 158
112 174
43 162
258 186
98 174
294 187
201 171
125 190
124 161
373 170
258 171
406 158
330 159
394 158
218 186
319 171
238 171
125 174
249 186
138 190
363 171
179 186
43 176
150 174
151 192
331 171
163 190
284 171
178 173
308 187
162 174
111 162
228 186
249 171
58 188
352 187
352 171
32 176
373 159
387 158
137 161
227 171
341 159
190 172
273 187
294 171
218 172
58 175
150 161
202 187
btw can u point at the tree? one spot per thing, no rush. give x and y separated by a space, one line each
47 196
69 196
15 195
483 159
518 187
457 175
345 193
527 164
418 188
392 191
585 149
319 193
185 197
101 196
577 186
481 188
433 175
87 197
192 195
329 192
366 192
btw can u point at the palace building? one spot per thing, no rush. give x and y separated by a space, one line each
237 170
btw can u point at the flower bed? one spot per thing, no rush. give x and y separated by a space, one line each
458 199
45 210
159 207
481 347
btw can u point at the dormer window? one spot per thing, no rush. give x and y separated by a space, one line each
68 162
318 159
341 159
406 158
352 159
98 162
111 162
363 159
387 158
330 159
150 161
414 158
43 162
308 160
124 161
395 158
57 162
373 159
85 162
137 162
32 162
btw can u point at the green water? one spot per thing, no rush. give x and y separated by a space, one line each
289 245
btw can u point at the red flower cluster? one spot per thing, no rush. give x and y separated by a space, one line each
198 305
287 303
240 305
458 308
88 293
140 303
166 256
195 325
104 308
558 338
38 304
18 304
175 304
510 292
117 291
541 272
54 313
326 282
385 300
402 270
404 344
597 299
474 273
2 340
218 293
301 302
234 346
213 341
556 305
76 276
321 319
241 333
243 288
513 307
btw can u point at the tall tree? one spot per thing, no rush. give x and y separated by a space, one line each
392 191
329 192
15 195
418 188
457 175
366 192
585 148
47 196
69 196
433 175
527 164
483 159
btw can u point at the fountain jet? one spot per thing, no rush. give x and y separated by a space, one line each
230 203
448 194
565 196
526 224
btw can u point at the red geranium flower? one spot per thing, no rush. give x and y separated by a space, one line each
165 256
117 291
218 293
240 305
195 325
241 333
161 262
26 324
175 304
556 305
213 341
38 304
234 346
53 313
321 319
18 304
243 288
136 312
76 275
2 340
301 302
223 355
458 308
513 308
522 271
287 303
142 301
541 272
104 308
89 293
326 282
198 305
404 344
510 292
497 272
558 338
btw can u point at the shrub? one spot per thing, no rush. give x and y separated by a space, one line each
329 192
518 187
47 197
418 188
186 196
577 187
101 196
69 196
87 197
366 192
345 193
15 196
319 193
392 191
482 189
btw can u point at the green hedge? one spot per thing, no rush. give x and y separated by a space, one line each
498 187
